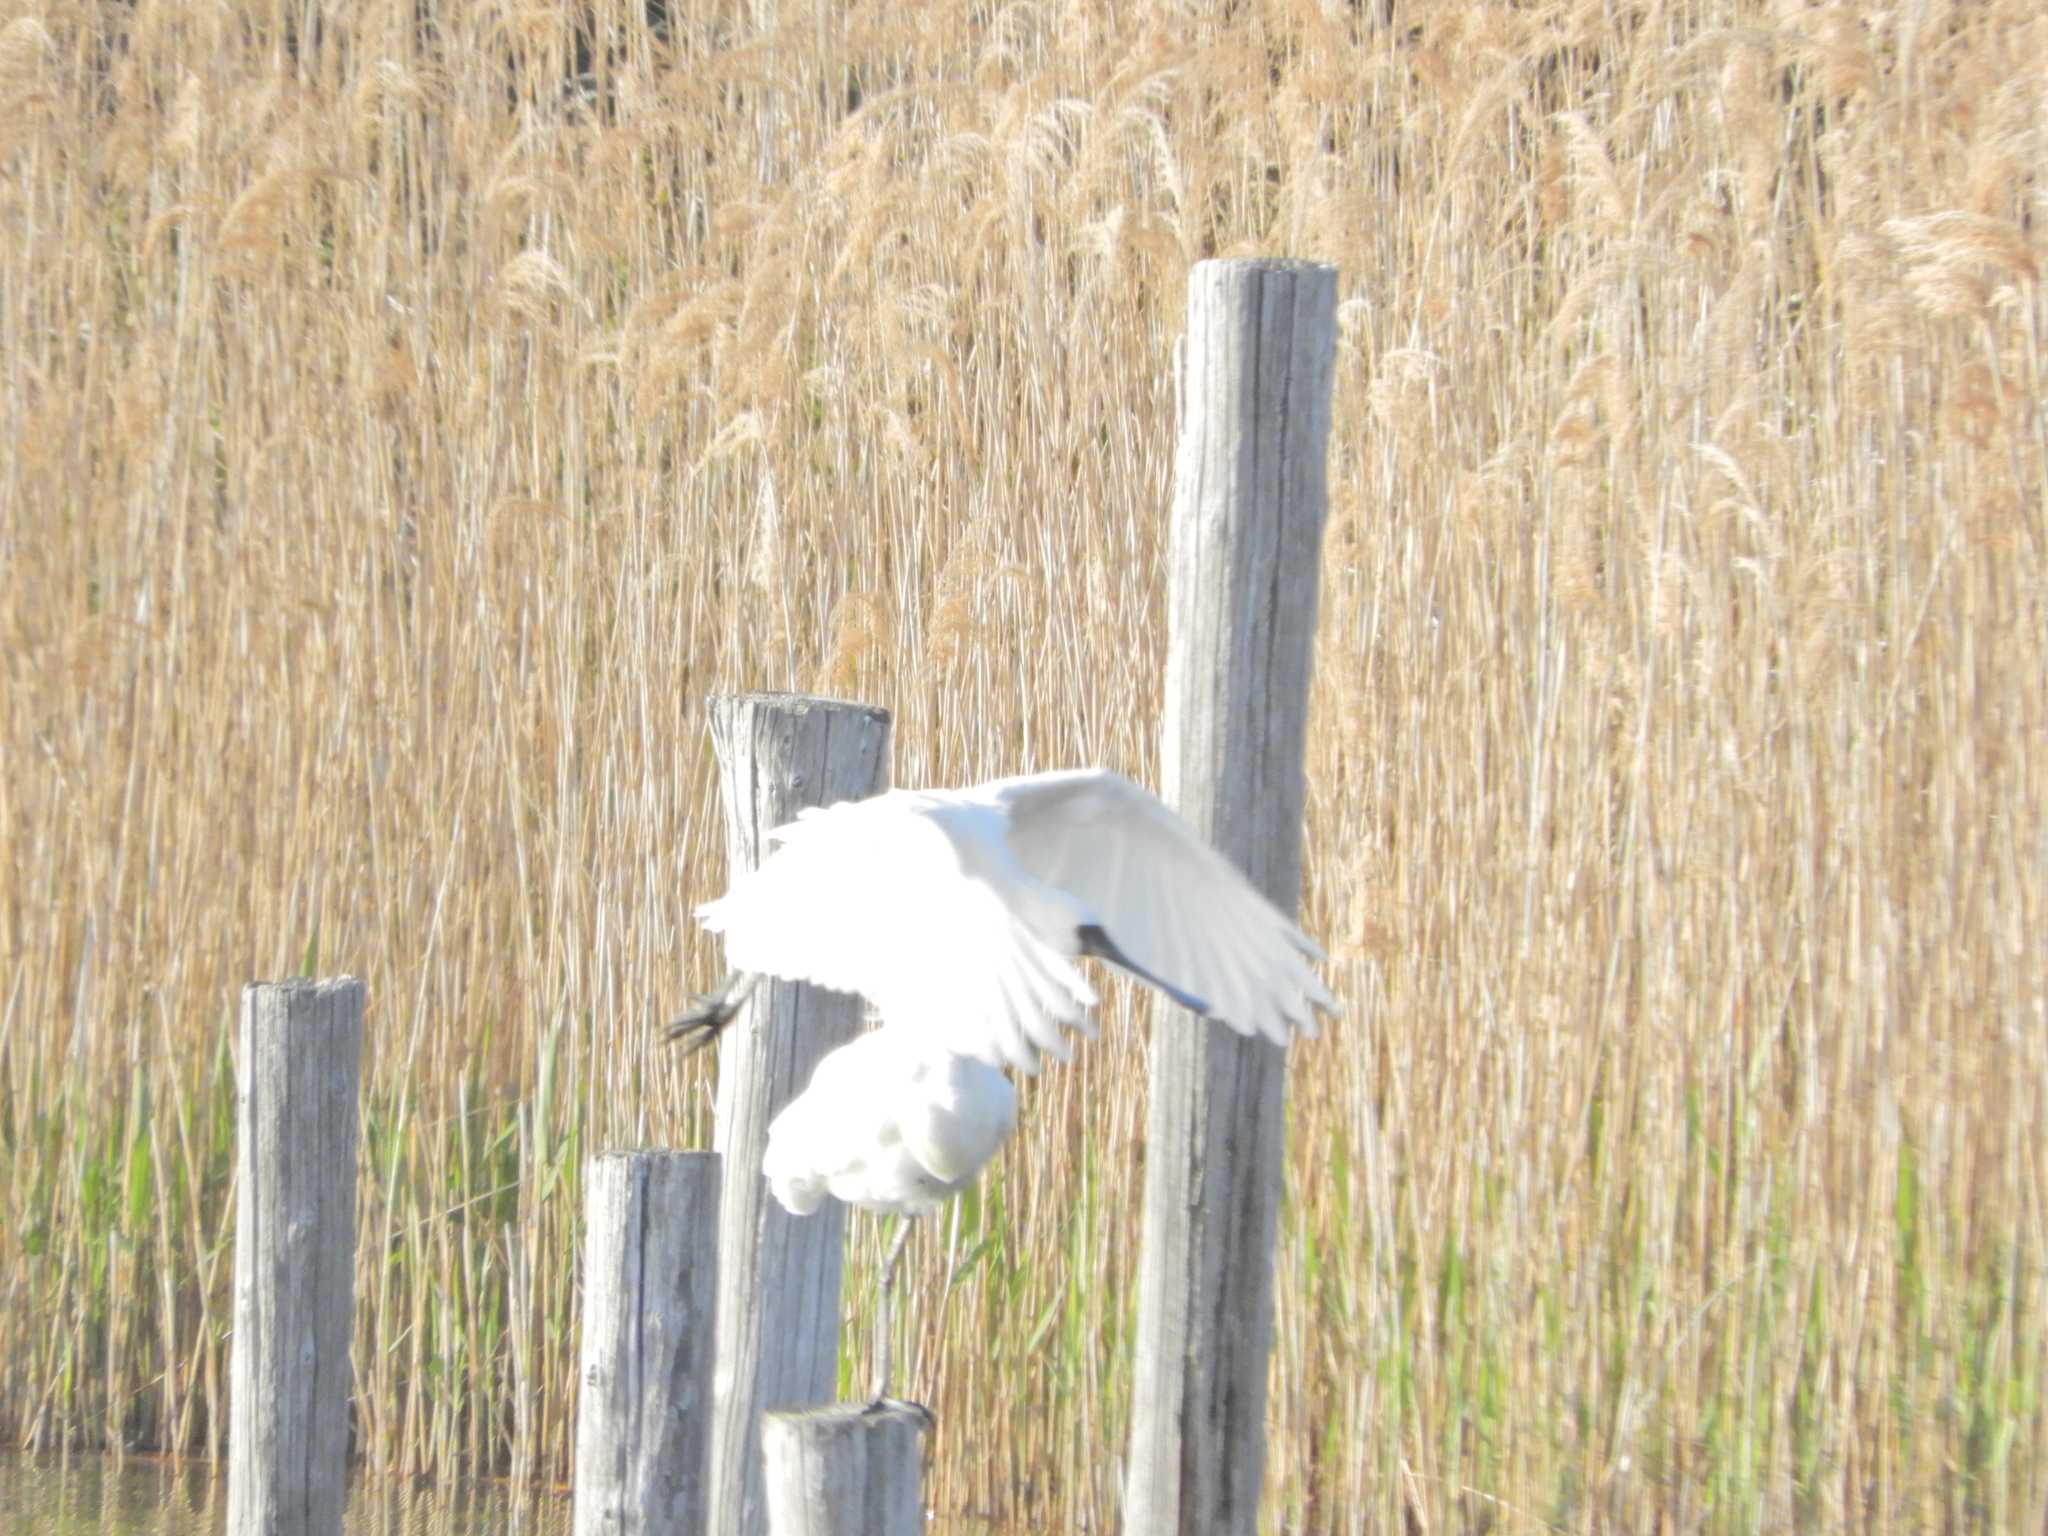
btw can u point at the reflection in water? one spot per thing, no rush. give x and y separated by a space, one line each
146 1496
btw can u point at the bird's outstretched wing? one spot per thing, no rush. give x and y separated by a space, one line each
894 898
1174 904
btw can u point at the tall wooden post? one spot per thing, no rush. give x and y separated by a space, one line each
298 1068
845 1471
778 1275
1249 504
650 1272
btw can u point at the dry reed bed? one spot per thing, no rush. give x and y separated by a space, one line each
407 426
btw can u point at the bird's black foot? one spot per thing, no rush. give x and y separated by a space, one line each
709 1013
903 1405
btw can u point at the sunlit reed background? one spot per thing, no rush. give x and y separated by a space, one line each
408 417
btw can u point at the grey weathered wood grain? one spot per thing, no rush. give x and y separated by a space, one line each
1249 504
844 1471
298 1069
650 1286
779 1275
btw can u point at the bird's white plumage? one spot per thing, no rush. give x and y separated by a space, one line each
1174 904
887 1127
959 914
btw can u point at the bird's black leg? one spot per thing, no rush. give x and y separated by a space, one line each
884 1354
711 1012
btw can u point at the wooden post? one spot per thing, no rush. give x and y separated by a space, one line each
844 1471
1249 505
778 1275
299 1063
650 1268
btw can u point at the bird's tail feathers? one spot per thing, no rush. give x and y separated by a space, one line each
798 1185
798 1195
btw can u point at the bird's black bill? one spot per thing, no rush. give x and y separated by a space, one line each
1099 944
709 1014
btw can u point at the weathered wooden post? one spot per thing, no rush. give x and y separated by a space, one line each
650 1268
299 1063
1249 503
778 1275
845 1471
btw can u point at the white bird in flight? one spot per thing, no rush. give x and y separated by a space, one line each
958 914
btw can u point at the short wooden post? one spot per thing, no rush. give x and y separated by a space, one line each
778 1275
298 1067
650 1270
844 1471
1249 504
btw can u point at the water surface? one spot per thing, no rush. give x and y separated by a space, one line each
150 1496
